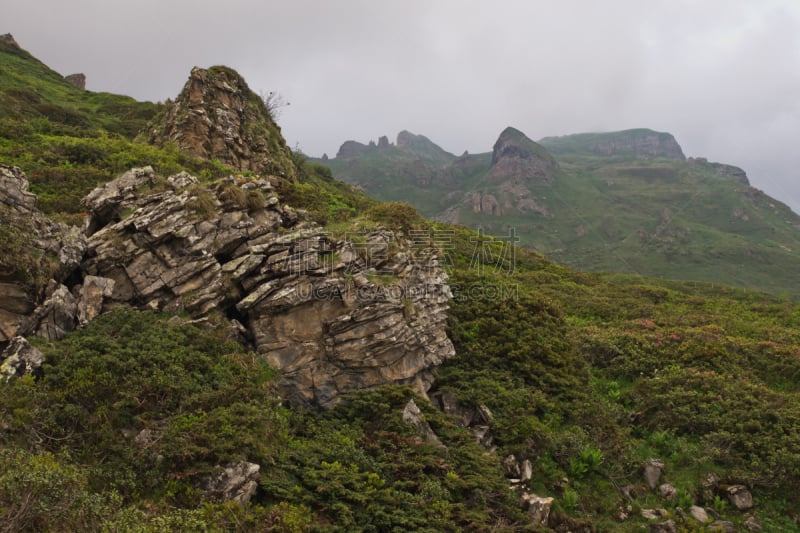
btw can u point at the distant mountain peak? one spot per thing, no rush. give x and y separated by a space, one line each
641 143
515 156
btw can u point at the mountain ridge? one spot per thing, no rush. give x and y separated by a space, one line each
626 201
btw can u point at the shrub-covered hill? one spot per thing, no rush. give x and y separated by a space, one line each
587 377
566 385
626 202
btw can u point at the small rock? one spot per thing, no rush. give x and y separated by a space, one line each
512 466
414 417
664 527
668 491
740 497
652 472
722 525
751 524
538 507
182 180
237 482
708 486
526 470
653 514
483 435
93 293
698 513
20 358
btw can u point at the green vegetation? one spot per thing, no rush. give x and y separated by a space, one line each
327 200
617 212
587 376
69 141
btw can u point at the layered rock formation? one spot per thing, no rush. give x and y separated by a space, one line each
216 116
332 314
37 254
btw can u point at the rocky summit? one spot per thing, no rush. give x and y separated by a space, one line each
517 158
217 116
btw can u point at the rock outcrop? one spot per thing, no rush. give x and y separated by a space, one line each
217 116
331 315
7 38
78 80
35 249
19 358
517 158
351 149
236 482
736 173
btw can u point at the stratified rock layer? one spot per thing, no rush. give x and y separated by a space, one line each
332 315
34 251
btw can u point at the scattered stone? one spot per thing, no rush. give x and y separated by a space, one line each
526 470
653 514
538 508
664 527
668 491
237 482
652 472
698 513
751 524
20 358
740 497
414 417
724 526
512 466
708 486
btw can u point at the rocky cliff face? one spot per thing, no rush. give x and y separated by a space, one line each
516 157
217 116
37 254
332 315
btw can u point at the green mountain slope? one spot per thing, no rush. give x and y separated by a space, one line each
585 378
626 202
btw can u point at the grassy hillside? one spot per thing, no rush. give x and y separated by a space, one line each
68 140
612 207
585 375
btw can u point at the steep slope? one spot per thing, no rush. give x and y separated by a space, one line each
627 201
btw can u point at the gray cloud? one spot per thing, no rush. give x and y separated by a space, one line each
722 75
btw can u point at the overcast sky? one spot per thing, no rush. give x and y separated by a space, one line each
723 76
